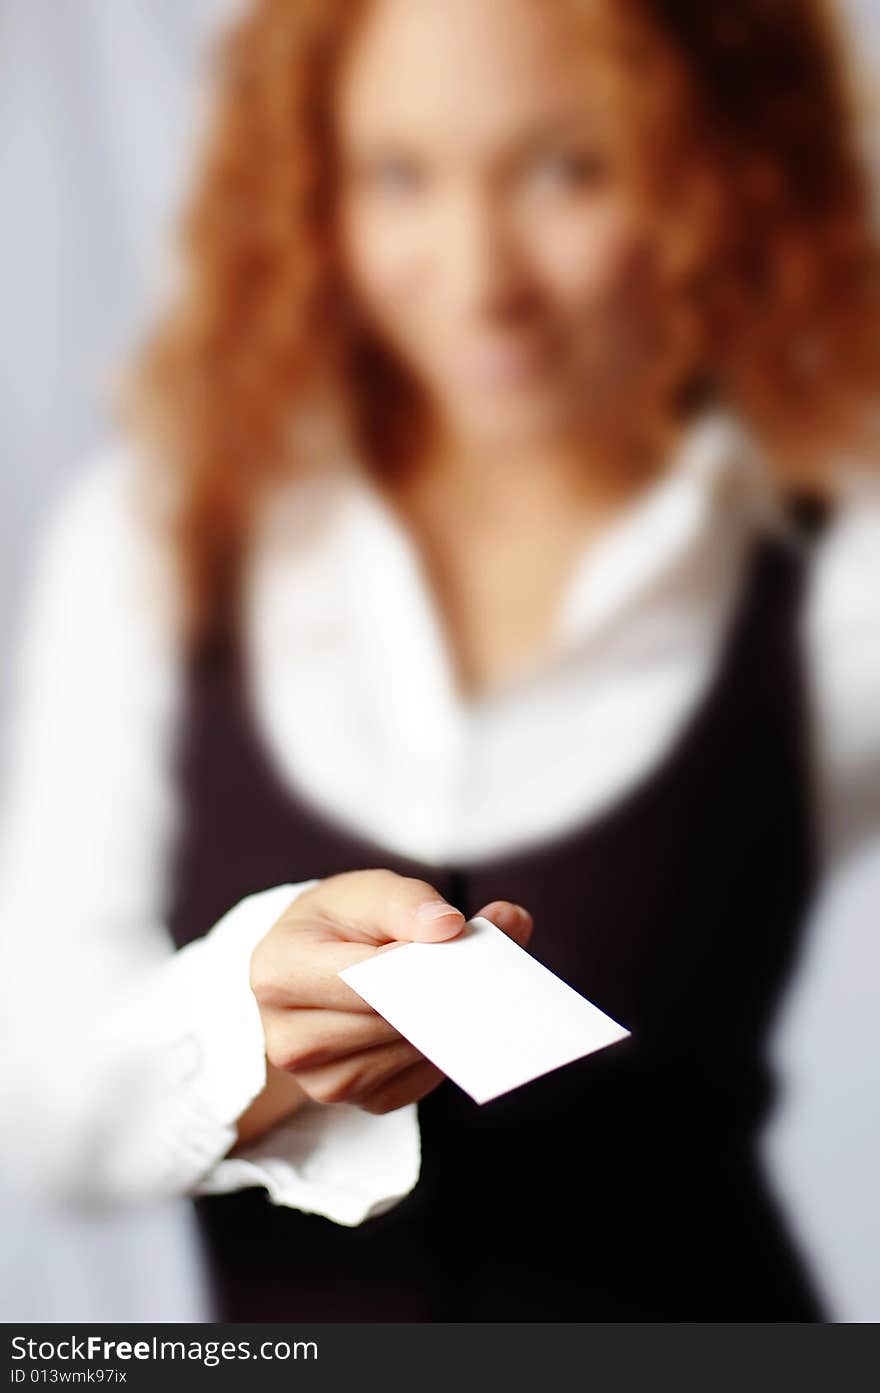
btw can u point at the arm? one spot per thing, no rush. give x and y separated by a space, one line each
132 1070
280 1099
823 1145
842 640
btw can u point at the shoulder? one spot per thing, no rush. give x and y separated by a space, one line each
99 579
96 516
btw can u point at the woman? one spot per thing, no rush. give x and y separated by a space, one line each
505 331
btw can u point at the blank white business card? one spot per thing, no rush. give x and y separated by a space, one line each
482 1009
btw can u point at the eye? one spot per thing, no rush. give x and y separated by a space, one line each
570 171
393 175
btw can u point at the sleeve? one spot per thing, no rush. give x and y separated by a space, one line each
842 630
823 1144
126 1063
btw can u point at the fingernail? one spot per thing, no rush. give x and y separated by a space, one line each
510 916
439 919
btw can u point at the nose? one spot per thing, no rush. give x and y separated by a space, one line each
487 271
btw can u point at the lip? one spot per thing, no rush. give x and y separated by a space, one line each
502 366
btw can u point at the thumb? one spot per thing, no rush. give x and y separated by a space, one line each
379 907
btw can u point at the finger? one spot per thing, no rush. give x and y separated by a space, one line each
308 1039
512 919
342 921
357 1074
299 970
378 906
406 1087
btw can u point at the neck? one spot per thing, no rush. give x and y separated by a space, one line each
499 530
566 476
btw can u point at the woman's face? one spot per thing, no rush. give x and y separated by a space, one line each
484 213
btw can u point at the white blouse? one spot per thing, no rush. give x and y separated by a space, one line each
133 1060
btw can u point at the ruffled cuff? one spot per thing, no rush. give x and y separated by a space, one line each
211 1043
335 1160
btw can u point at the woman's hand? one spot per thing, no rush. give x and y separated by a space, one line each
318 1030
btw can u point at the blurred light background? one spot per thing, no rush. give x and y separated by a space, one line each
98 110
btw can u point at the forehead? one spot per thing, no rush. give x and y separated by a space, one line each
471 72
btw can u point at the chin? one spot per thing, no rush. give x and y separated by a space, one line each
511 420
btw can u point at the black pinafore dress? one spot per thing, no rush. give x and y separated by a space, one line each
624 1186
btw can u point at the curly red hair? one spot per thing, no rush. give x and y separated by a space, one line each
771 297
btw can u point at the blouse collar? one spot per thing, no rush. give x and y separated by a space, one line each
697 518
